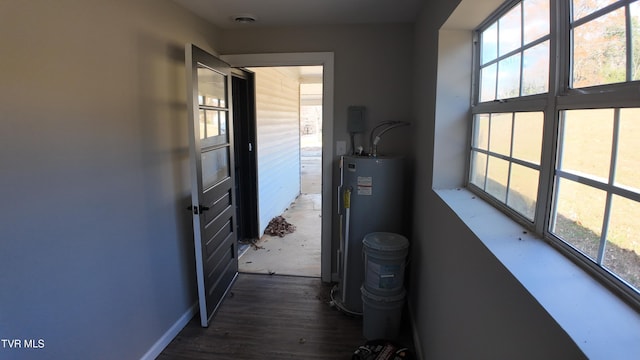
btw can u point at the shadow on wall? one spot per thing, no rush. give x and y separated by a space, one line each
164 148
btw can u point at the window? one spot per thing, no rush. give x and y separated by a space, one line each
556 127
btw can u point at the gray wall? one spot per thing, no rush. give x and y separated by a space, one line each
373 68
465 304
96 254
95 249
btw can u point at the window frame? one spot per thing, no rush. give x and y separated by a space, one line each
560 97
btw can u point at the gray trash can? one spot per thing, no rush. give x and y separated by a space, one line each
384 262
381 315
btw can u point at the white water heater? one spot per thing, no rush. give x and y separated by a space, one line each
371 199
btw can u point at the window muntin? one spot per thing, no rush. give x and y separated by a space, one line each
587 185
505 157
514 53
593 213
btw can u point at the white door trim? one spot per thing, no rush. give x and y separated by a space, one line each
309 59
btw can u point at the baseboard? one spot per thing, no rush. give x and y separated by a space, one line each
170 334
417 347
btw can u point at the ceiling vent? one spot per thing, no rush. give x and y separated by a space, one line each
244 19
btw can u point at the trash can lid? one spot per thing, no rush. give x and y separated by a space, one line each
385 241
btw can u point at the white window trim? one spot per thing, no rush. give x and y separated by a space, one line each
558 98
599 322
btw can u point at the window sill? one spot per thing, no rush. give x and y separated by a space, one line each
601 324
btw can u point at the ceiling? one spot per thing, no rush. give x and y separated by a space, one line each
304 12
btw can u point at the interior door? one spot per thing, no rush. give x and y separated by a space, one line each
212 177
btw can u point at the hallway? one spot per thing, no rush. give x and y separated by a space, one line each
271 317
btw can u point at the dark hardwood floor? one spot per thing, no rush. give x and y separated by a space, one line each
271 317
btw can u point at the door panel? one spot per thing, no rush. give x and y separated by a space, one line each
212 193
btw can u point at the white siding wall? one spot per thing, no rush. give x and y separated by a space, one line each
278 142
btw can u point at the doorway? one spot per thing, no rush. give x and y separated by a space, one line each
326 61
289 156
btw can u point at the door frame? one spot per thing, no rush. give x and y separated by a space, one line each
309 59
244 126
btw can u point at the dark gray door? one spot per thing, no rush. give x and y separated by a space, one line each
212 177
244 125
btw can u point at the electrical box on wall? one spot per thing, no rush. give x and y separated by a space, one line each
356 121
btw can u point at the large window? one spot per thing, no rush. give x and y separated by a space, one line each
556 127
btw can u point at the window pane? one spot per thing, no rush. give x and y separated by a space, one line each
509 77
628 159
635 40
527 136
500 135
509 33
497 175
582 8
488 83
215 166
222 123
489 44
536 19
579 216
535 70
622 252
212 123
599 51
523 190
481 131
587 142
478 169
211 87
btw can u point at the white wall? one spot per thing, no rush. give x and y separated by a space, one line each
278 141
96 254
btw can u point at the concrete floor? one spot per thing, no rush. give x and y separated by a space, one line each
297 253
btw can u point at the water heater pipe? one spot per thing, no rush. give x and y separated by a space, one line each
391 125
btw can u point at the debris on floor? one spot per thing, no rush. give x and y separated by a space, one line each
278 226
253 243
382 350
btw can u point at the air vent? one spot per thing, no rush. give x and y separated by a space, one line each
244 19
